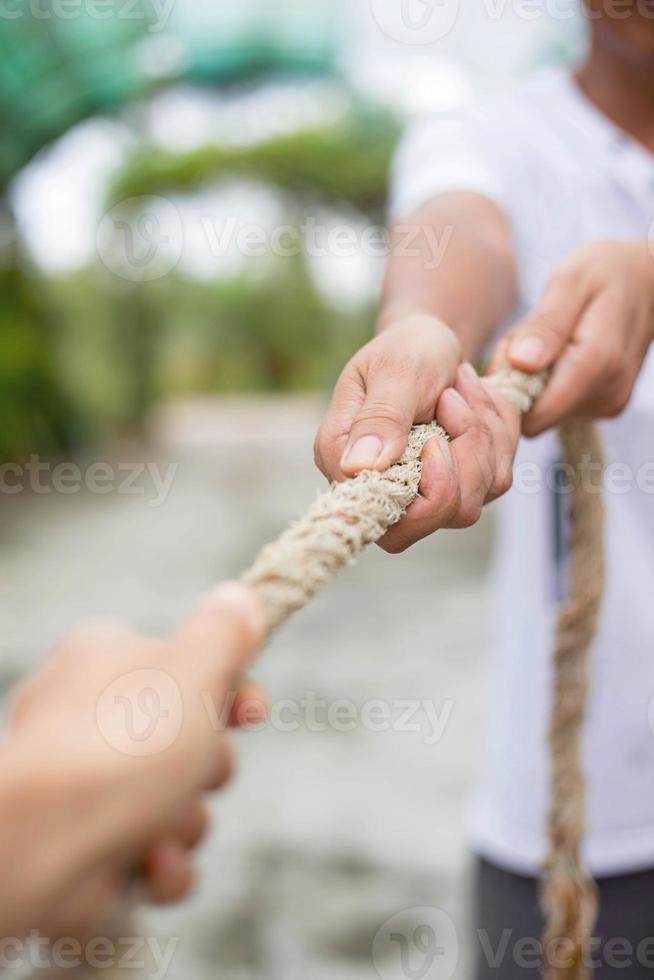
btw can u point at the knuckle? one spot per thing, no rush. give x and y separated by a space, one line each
617 400
482 430
379 411
546 324
469 512
503 482
572 274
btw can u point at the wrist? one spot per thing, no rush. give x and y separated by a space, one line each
426 326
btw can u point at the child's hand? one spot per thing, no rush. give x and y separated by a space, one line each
409 374
594 324
112 745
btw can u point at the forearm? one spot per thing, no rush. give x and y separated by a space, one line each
452 259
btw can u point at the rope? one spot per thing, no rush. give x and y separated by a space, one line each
349 516
568 897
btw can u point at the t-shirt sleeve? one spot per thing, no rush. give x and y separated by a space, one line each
441 154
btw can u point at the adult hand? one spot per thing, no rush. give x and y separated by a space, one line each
390 384
112 746
409 374
593 327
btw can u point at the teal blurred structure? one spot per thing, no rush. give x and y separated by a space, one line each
55 71
226 41
61 62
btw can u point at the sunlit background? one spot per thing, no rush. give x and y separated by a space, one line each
191 246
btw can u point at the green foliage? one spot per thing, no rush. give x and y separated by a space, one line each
116 346
33 410
345 161
122 350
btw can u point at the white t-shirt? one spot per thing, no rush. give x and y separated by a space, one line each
564 175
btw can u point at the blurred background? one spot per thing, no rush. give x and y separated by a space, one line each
191 246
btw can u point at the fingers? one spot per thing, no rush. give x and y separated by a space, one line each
367 424
537 341
590 376
168 865
438 499
223 631
379 432
484 438
475 467
169 872
332 436
250 705
393 382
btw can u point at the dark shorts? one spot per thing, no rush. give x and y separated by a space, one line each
508 926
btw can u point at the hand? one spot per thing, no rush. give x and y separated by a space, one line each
391 383
408 374
594 324
474 468
112 746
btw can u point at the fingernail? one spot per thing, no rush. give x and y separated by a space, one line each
453 393
528 351
363 454
469 373
236 597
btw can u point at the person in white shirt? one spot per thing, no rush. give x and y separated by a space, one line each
540 204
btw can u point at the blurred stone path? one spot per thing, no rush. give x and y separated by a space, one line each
350 805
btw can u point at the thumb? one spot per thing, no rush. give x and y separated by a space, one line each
538 340
221 634
379 432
